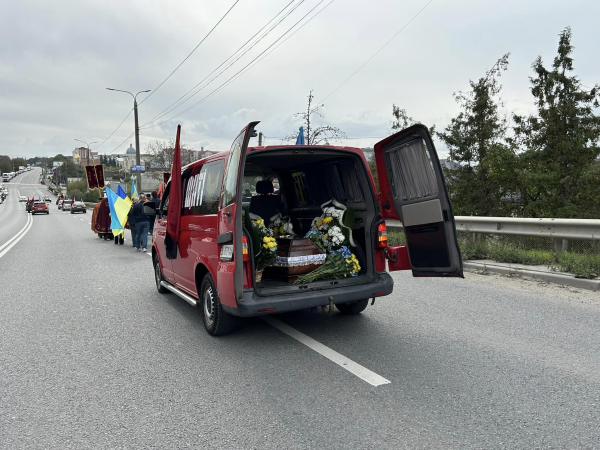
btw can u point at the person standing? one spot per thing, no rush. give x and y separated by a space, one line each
156 202
131 222
142 223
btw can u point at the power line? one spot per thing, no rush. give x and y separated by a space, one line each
120 145
115 130
178 102
231 79
190 54
377 52
367 61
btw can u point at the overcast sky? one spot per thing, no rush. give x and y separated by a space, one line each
59 56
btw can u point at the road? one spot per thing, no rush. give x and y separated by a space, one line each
91 356
11 218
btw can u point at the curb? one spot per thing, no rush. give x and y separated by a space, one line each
581 283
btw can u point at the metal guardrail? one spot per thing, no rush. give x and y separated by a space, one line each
573 229
562 231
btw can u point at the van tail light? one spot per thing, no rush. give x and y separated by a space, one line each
382 235
246 256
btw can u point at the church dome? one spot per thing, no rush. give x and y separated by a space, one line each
130 150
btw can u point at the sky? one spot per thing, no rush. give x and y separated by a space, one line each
59 57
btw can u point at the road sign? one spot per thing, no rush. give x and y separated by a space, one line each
135 168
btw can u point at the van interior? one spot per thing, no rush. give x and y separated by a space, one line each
296 182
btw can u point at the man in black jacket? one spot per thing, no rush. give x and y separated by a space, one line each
142 223
156 201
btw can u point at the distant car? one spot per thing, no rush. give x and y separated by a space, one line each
78 207
66 206
47 198
22 198
40 207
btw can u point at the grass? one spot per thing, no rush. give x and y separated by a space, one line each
581 265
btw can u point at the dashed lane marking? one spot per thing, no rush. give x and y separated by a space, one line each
356 369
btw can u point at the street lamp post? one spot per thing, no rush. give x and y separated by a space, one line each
137 134
88 147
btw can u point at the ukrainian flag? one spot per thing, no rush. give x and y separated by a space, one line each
119 208
134 192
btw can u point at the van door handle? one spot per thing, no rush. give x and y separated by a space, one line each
227 213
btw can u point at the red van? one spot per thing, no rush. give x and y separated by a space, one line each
214 265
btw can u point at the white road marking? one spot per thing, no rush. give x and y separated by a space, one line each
82 220
360 371
17 237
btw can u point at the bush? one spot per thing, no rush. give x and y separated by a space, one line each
587 266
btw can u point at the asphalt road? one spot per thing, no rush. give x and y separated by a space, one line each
11 219
91 356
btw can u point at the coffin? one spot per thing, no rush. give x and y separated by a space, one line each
295 256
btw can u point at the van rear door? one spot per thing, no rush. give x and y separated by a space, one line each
414 191
229 238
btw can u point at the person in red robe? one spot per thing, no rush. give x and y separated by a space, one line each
103 221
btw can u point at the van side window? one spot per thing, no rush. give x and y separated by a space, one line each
202 189
164 203
228 194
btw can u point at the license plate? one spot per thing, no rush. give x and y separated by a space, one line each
227 252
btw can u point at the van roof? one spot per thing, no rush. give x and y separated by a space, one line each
225 154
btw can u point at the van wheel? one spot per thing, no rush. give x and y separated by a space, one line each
158 276
352 308
216 321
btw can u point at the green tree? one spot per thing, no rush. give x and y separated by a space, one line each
559 142
476 140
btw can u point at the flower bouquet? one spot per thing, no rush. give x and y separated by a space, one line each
282 225
333 228
264 246
339 264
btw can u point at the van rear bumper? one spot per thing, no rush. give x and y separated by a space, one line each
254 305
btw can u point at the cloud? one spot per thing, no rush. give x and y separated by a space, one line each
58 57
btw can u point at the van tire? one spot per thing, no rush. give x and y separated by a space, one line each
216 321
158 277
352 308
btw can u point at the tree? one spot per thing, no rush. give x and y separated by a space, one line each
315 135
161 156
560 142
476 140
6 164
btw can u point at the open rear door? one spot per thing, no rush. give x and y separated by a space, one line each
230 267
413 190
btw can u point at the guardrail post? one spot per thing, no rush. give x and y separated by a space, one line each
562 245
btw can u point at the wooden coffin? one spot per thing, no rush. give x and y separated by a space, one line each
295 256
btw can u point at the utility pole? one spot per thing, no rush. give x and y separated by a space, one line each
260 138
137 135
138 160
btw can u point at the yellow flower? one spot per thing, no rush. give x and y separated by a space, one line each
259 221
319 222
265 246
271 244
326 236
327 219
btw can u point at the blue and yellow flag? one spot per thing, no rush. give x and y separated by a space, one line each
134 192
118 211
120 192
